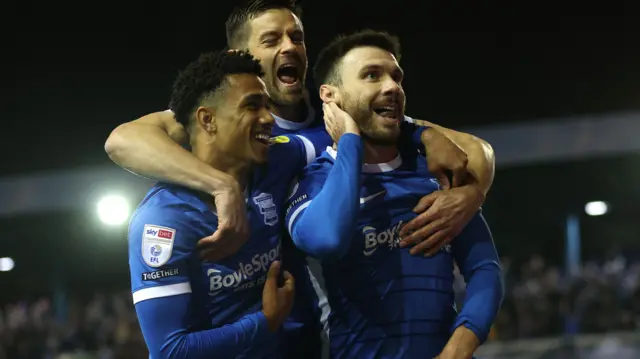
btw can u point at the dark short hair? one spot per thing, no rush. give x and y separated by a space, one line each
249 10
325 70
204 77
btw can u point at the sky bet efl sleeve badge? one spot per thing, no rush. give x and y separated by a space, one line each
157 244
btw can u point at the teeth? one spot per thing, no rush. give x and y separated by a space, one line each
262 136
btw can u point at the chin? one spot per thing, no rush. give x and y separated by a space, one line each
288 98
384 138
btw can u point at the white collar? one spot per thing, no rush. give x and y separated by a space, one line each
373 167
295 126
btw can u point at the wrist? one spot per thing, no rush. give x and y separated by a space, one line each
462 344
223 183
353 128
272 323
476 192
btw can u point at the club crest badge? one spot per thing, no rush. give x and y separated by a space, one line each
264 201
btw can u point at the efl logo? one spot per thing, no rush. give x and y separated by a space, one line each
165 234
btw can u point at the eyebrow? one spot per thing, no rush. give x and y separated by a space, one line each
372 67
269 33
277 32
254 97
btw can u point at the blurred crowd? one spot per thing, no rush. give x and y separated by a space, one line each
101 327
540 302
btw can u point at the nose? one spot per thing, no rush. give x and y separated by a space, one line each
288 46
267 118
390 87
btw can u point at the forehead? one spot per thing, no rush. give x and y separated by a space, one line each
242 85
361 57
274 20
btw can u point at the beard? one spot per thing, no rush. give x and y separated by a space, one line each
371 129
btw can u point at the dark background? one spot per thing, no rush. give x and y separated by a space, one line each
75 70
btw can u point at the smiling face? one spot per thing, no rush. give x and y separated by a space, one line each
241 119
276 38
370 90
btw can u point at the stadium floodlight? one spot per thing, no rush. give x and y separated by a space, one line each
596 208
113 210
6 264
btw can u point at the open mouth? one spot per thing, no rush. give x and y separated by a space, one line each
288 74
262 137
389 111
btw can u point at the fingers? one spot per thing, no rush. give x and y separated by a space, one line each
274 270
423 232
328 111
208 240
272 276
289 282
417 223
443 180
426 202
333 128
432 245
206 247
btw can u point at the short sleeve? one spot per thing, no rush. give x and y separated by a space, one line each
161 250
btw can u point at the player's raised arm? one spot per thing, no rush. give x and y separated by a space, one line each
322 212
151 147
161 255
478 261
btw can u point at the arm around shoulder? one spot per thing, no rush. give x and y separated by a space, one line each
480 154
151 147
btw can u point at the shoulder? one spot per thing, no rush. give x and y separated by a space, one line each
169 206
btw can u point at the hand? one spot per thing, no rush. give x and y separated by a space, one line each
443 215
277 302
233 228
338 122
444 157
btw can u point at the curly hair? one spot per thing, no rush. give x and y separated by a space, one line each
325 70
204 77
249 10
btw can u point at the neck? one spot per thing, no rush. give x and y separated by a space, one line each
221 161
375 153
297 112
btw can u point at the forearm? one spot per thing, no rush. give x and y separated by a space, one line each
167 336
483 298
325 227
228 341
480 154
478 261
149 151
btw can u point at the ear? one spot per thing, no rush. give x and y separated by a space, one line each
205 120
329 93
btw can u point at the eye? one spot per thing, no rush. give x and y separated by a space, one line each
371 76
270 41
297 37
253 106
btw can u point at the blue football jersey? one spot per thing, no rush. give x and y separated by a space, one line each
163 262
312 129
386 303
